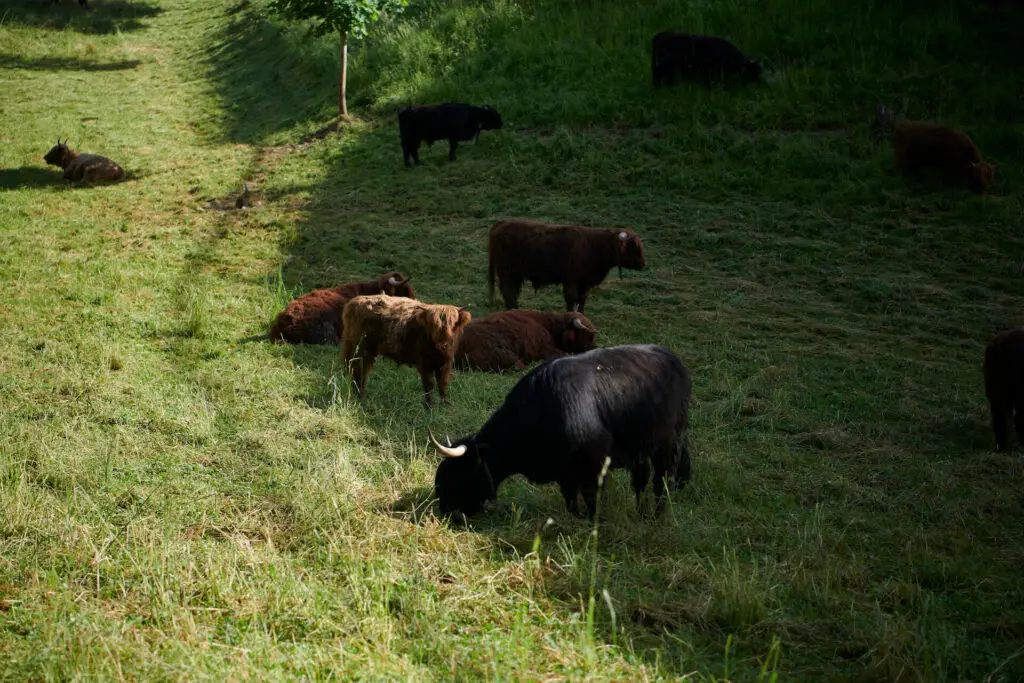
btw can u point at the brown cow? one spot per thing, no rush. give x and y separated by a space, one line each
920 148
577 257
1004 385
315 318
409 332
82 167
514 339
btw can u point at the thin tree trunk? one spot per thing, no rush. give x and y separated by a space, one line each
342 77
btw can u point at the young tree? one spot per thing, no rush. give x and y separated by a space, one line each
345 17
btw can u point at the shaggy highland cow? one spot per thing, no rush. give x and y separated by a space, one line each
923 148
1004 385
82 167
564 418
698 58
315 318
409 332
452 121
576 257
514 339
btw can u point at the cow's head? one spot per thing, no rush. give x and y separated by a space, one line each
396 284
981 175
751 70
578 335
444 324
488 118
463 482
631 251
58 154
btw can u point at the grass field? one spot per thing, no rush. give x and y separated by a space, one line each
181 501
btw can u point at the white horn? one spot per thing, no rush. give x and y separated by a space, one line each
623 236
579 323
393 282
448 452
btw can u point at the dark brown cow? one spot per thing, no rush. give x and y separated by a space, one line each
315 318
1004 385
576 257
409 332
921 148
82 167
514 339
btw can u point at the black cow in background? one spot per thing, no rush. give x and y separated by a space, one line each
562 419
698 58
453 121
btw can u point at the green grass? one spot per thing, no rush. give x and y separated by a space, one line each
178 501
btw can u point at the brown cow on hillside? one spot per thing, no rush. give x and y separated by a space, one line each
409 332
514 339
1004 385
577 257
315 318
920 148
82 167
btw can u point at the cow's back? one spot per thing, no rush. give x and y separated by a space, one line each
635 395
532 250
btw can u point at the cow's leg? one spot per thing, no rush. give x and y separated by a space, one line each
665 474
1000 404
427 376
361 371
361 365
571 493
683 464
640 473
510 288
589 492
452 144
443 375
1018 422
575 297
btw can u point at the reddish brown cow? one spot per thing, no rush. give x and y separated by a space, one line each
1004 385
409 332
315 318
927 147
576 257
514 339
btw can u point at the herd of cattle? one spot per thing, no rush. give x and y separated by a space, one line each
583 409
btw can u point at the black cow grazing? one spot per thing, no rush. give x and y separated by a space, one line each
452 121
1004 385
565 417
698 58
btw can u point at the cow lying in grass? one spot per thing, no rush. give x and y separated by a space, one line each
452 121
82 167
409 332
514 339
698 58
315 318
629 404
923 148
576 257
1004 385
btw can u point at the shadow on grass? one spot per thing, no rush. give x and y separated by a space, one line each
63 63
103 17
28 176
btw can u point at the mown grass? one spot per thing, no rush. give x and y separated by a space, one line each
182 502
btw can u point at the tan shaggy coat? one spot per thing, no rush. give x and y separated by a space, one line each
409 332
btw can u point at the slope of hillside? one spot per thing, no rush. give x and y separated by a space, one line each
180 500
